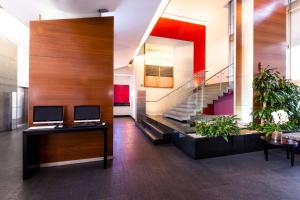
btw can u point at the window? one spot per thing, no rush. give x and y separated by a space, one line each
231 33
294 41
121 95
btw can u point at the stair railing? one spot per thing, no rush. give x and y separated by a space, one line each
176 96
195 86
225 75
222 79
192 83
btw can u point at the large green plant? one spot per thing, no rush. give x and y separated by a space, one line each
291 97
272 93
266 85
223 126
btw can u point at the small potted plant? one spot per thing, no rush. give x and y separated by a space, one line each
280 118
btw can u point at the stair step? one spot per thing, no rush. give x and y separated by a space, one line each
217 85
189 103
209 93
179 114
194 107
155 132
152 126
178 109
154 139
176 117
205 94
195 103
188 106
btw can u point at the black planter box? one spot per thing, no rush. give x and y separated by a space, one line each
213 147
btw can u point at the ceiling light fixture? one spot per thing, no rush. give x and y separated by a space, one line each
102 10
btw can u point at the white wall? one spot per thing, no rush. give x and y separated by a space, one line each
8 81
8 64
18 33
183 71
217 42
23 65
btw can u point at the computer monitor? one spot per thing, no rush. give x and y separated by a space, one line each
86 114
48 114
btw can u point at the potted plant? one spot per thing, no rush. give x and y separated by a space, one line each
265 86
277 103
223 126
280 119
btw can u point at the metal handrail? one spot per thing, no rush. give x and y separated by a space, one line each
195 76
223 69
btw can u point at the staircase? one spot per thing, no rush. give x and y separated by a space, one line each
185 102
198 101
155 131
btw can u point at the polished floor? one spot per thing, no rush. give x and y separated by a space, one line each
143 171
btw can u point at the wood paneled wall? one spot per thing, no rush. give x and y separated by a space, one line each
71 63
270 34
269 43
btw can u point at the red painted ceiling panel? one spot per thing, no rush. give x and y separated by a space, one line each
174 29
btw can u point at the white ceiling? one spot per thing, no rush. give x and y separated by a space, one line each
201 10
13 29
132 18
167 41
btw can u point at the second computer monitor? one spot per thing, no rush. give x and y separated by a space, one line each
87 114
48 114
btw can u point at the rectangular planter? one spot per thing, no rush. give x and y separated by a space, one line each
204 147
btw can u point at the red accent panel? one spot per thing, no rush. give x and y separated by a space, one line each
174 29
121 93
224 105
209 110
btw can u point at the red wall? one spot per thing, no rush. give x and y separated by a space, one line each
174 29
224 105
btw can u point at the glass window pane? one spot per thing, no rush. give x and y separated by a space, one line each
295 44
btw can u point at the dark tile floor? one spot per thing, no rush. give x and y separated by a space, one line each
143 171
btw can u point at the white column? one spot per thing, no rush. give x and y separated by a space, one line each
245 108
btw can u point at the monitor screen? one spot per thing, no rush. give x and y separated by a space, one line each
87 113
50 114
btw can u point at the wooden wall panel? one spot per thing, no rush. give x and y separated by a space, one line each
270 34
71 63
68 146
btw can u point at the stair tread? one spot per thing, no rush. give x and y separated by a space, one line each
176 117
178 113
192 104
151 135
154 127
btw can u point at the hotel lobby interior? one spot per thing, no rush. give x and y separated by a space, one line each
160 99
